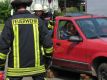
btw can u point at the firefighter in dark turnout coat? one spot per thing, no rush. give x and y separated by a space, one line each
21 39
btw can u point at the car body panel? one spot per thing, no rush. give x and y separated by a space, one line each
77 55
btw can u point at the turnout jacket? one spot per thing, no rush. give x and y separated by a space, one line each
22 38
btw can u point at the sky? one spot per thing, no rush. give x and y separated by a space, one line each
98 7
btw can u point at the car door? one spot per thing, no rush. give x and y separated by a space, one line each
67 53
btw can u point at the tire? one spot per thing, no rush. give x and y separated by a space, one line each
102 71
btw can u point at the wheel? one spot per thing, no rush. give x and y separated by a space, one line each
102 72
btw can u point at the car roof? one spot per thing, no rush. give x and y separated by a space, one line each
80 15
76 14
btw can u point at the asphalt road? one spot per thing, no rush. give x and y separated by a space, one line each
62 75
29 78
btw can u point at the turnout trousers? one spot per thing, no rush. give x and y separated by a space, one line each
34 77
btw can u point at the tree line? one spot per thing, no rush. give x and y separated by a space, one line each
5 11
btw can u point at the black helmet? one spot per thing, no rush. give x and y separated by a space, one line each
15 3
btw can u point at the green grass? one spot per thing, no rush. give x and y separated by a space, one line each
1 27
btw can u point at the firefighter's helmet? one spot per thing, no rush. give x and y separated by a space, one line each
15 3
45 8
38 7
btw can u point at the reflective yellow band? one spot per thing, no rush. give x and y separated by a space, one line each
49 50
7 78
15 23
38 48
36 43
50 26
16 45
24 21
2 56
46 79
42 50
25 71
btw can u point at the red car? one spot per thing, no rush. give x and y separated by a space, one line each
1 75
85 52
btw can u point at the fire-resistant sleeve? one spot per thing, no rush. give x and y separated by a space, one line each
45 38
5 40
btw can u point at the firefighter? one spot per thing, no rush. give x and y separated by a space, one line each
43 13
20 40
38 10
49 18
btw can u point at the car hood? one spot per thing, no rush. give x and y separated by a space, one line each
99 40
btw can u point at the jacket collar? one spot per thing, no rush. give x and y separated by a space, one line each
22 12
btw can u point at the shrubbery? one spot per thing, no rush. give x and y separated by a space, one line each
5 10
68 10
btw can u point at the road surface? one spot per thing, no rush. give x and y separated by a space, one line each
64 75
61 76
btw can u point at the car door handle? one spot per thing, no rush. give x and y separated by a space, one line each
58 44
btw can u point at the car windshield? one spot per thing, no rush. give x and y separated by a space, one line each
93 27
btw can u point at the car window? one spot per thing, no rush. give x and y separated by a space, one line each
93 27
87 27
102 25
66 29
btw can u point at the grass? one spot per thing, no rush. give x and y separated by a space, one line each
1 27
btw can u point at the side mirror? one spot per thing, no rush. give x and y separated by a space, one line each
75 39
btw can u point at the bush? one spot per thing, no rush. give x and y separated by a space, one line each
5 10
71 9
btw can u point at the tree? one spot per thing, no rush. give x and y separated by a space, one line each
5 10
70 3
